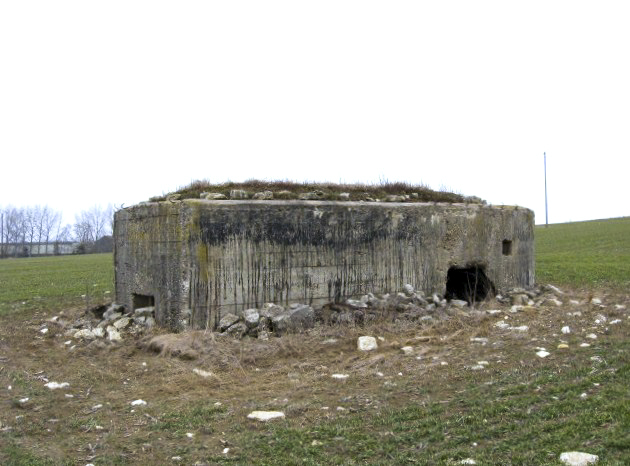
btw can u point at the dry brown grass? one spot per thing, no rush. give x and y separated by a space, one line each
292 374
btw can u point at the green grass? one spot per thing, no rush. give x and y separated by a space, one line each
582 254
513 416
54 282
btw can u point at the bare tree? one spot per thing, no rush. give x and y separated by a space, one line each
92 225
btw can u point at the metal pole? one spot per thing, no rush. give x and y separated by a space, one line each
546 208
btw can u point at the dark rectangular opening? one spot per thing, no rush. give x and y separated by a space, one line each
507 247
142 300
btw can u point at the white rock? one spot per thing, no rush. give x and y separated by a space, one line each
477 367
226 451
85 333
576 458
44 331
583 395
459 303
408 289
265 415
190 434
494 311
574 302
367 343
99 332
502 324
202 373
554 289
542 354
56 385
23 400
615 322
407 350
516 308
138 403
122 323
555 301
566 329
340 376
620 307
585 345
483 341
592 336
596 301
521 328
468 461
113 334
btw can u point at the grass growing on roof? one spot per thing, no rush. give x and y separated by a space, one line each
329 191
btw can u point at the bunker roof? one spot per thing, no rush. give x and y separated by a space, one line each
283 190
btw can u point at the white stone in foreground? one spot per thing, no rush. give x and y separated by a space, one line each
340 376
367 344
468 461
265 415
56 385
138 403
202 373
566 329
542 354
575 458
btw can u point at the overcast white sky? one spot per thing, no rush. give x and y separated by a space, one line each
117 101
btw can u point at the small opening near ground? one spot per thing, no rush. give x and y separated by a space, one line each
142 300
468 284
507 247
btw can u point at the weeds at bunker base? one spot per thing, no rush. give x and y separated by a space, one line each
195 260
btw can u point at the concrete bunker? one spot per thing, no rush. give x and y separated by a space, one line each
197 259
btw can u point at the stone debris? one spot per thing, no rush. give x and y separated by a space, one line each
367 343
86 334
576 458
340 376
542 353
213 196
596 301
202 373
407 350
263 196
113 334
468 461
56 385
615 322
566 329
592 336
265 415
138 403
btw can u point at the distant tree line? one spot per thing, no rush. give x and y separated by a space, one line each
38 230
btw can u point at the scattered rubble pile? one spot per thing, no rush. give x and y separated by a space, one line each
111 323
107 322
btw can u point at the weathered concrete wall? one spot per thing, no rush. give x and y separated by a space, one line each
217 256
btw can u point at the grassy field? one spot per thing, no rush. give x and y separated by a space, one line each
431 408
584 254
39 283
